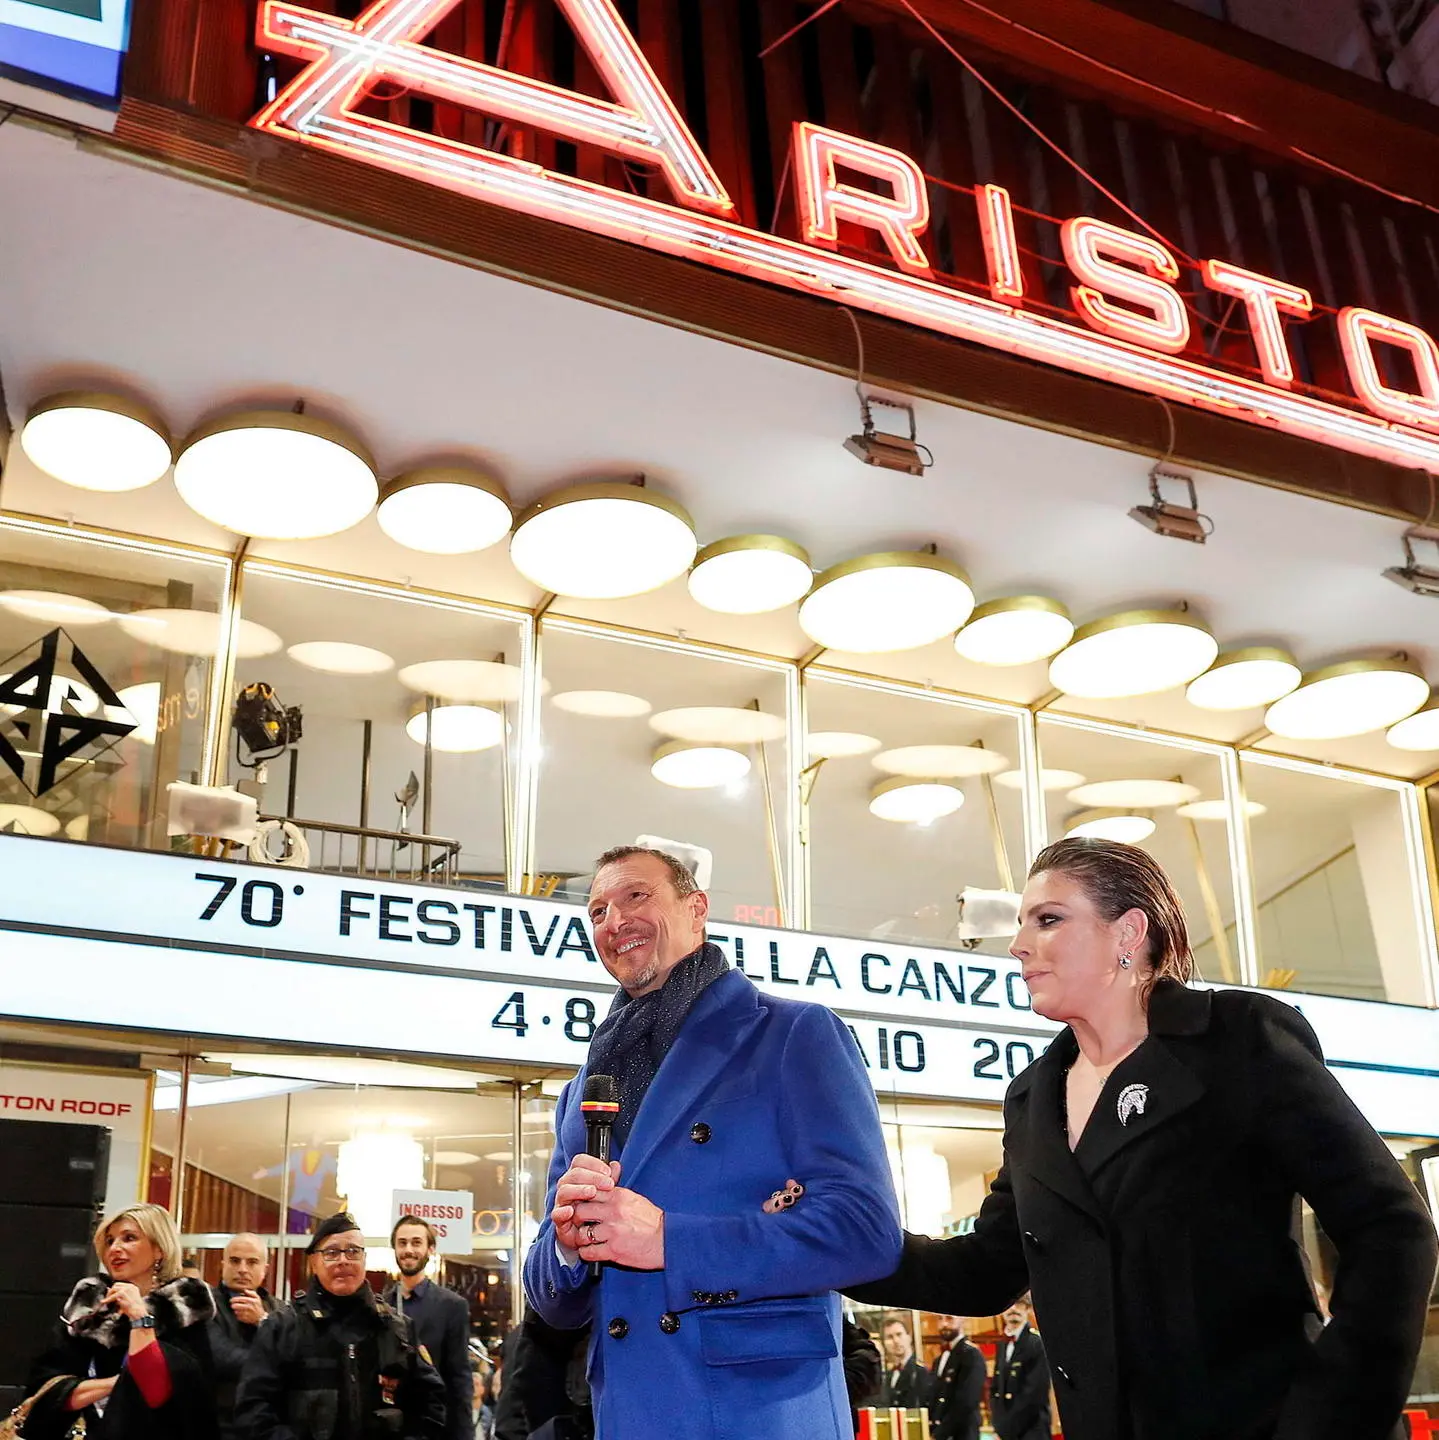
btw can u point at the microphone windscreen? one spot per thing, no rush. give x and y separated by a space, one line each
601 1090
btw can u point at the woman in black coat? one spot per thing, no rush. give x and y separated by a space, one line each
1153 1160
132 1347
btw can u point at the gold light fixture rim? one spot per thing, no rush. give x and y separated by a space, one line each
605 490
1248 655
1370 665
473 479
676 747
891 559
109 402
1106 812
907 782
1015 604
733 544
300 423
1126 619
440 702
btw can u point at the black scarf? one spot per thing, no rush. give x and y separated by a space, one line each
636 1035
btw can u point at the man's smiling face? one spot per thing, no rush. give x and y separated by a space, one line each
643 926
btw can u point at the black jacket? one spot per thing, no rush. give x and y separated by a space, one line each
322 1370
543 1381
441 1325
956 1392
91 1343
863 1369
1019 1393
909 1389
1174 1300
230 1341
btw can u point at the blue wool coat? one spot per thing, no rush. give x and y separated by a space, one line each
737 1338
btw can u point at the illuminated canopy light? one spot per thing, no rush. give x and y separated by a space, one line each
1134 794
1350 698
603 541
54 608
66 696
370 1168
1216 810
912 801
949 762
1048 779
276 476
97 442
143 703
719 725
839 744
1245 679
603 704
445 510
750 574
1419 732
1015 631
1123 825
338 657
196 632
27 820
457 729
897 600
698 767
1137 652
487 680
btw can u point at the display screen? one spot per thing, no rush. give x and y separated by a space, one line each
70 47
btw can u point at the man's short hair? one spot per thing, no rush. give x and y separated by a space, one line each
430 1233
896 1320
680 874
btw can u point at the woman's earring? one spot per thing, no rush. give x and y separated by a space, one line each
156 1269
1125 961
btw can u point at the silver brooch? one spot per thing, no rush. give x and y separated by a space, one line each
1132 1100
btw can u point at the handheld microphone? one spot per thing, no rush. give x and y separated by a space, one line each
600 1106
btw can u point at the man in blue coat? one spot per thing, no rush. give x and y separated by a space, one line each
755 1185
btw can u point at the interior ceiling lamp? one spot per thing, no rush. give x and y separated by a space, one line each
196 632
750 574
54 608
1350 698
458 728
487 680
338 657
603 541
1421 579
915 801
1128 826
1178 522
603 704
27 820
1245 679
839 744
277 475
1048 779
445 510
949 762
370 1168
1419 732
1134 794
719 725
1015 631
97 442
1216 810
896 600
904 453
1137 652
689 766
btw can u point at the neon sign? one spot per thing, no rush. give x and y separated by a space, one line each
1135 324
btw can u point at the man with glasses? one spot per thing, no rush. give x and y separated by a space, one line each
338 1364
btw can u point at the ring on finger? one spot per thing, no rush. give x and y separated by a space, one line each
590 1231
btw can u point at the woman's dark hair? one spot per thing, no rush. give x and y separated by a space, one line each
1118 877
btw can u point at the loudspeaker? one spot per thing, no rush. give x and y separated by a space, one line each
58 1164
27 1324
45 1249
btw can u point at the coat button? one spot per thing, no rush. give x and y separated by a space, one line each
669 1322
1034 1239
619 1328
700 1133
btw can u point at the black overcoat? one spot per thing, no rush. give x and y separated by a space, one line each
1174 1300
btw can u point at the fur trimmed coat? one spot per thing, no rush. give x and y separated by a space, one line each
91 1341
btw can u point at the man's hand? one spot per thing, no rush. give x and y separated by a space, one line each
247 1307
584 1180
617 1225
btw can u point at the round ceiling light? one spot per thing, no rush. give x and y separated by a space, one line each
1419 732
839 744
911 801
445 510
54 608
27 820
1048 779
949 762
339 657
1134 794
97 442
1216 809
698 767
719 725
603 704
143 703
487 680
898 600
1350 698
603 541
1124 825
457 729
65 696
196 632
750 574
276 475
1245 679
455 1157
1015 631
1137 652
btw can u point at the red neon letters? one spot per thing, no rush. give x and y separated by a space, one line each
1136 322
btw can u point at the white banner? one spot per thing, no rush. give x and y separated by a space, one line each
450 1212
